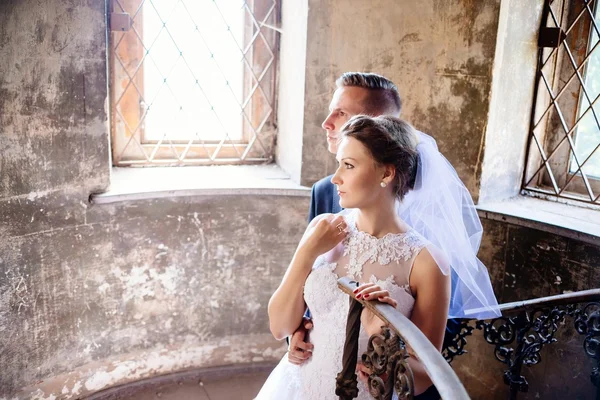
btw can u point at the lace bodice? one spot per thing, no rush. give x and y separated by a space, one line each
386 261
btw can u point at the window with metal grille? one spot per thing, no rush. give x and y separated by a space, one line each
193 81
563 159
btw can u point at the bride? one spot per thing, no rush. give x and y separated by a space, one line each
379 163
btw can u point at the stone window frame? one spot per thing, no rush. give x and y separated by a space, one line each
257 146
554 179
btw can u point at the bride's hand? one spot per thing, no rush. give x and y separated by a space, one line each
371 291
327 233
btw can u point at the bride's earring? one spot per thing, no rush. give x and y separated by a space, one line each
383 184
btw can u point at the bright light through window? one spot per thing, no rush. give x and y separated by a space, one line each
193 80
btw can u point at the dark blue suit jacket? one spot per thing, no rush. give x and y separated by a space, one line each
324 198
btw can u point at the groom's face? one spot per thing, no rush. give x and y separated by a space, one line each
347 102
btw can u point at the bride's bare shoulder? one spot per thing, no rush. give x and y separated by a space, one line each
426 272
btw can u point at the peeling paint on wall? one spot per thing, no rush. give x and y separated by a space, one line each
101 375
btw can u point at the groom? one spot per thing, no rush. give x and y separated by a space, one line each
356 93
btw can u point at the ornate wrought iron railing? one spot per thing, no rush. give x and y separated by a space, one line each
518 336
527 326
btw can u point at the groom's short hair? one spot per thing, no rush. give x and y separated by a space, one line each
383 98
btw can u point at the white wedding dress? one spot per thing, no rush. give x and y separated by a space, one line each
386 261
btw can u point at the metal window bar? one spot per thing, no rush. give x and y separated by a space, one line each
153 68
563 158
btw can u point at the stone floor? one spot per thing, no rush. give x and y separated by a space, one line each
238 385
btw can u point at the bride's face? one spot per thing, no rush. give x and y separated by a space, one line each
358 177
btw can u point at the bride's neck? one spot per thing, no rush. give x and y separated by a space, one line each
379 220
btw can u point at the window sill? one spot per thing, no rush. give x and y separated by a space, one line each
562 219
130 184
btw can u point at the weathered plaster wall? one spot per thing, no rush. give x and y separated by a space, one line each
150 287
52 96
439 53
94 295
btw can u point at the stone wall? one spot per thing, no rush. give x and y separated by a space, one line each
143 288
95 295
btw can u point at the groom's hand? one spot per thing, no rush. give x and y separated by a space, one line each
300 350
363 374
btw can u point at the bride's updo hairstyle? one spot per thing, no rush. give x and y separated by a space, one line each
391 141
